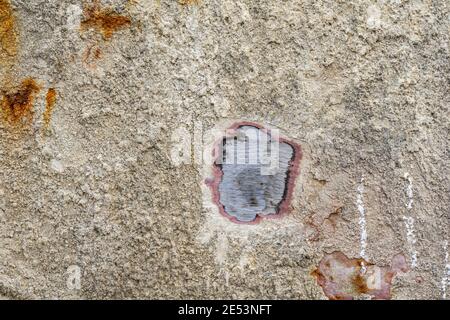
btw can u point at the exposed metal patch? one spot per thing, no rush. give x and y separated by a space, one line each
255 172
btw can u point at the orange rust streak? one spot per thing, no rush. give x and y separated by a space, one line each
97 53
360 284
106 21
50 104
17 106
8 37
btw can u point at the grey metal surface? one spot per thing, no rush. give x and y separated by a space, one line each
249 185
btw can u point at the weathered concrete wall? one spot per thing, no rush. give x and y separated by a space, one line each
93 205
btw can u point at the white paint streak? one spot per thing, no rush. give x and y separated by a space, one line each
362 220
409 222
411 238
409 192
446 277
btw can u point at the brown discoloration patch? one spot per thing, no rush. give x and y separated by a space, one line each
104 20
8 36
91 55
97 53
333 217
360 284
17 104
50 99
188 2
344 278
319 182
315 235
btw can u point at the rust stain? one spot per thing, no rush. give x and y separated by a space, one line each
360 284
309 221
104 20
97 53
8 37
17 104
50 104
344 278
91 55
16 99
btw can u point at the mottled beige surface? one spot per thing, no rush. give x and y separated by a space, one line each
361 85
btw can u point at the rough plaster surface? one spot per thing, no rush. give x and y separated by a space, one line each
362 86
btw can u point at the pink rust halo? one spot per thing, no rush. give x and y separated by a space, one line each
293 172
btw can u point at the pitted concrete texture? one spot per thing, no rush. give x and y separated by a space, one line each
92 204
